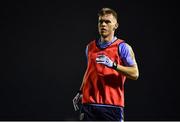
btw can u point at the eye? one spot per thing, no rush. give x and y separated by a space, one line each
107 21
101 21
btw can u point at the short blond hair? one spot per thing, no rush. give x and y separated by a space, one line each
105 11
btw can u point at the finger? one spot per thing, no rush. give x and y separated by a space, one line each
74 105
101 56
77 95
78 99
74 99
77 108
99 60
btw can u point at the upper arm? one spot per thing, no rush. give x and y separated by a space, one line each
127 54
86 53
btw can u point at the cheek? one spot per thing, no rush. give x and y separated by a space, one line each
98 28
111 27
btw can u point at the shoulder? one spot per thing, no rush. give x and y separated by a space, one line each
125 49
129 46
125 45
119 41
91 42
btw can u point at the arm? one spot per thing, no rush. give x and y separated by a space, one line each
85 72
82 83
78 96
131 72
131 68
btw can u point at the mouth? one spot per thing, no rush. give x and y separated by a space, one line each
103 30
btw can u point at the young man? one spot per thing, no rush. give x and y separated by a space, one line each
110 61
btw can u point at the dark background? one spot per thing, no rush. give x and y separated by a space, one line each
43 57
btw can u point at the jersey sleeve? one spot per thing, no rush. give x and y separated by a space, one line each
126 54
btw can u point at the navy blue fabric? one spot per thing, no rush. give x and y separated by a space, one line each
91 112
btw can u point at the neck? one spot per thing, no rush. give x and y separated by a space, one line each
107 39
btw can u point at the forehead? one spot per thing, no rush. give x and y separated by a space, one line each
107 17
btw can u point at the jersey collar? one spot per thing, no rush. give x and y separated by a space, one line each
103 44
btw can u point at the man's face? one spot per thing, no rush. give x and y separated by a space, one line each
107 25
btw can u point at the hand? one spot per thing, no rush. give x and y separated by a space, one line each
103 59
76 100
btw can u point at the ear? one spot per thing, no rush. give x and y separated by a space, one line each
116 25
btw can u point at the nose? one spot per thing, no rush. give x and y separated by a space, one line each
103 24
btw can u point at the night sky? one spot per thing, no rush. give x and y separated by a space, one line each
43 57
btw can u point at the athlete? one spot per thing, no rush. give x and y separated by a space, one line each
110 61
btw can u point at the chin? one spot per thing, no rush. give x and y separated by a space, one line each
103 35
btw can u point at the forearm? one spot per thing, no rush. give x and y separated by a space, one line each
82 84
129 72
